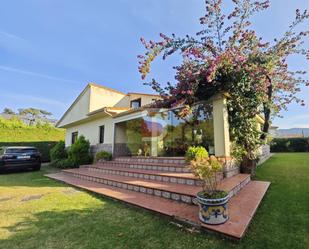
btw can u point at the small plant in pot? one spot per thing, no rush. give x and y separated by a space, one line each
211 200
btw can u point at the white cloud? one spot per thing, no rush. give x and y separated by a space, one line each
33 99
34 74
10 35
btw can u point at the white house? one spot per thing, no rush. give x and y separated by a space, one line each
124 124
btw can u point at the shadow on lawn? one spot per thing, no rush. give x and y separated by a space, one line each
29 178
110 225
67 229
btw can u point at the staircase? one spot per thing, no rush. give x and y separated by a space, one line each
163 185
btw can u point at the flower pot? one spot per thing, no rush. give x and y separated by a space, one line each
213 211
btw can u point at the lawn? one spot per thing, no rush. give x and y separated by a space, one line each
36 212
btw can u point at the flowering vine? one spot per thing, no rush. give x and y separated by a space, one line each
227 56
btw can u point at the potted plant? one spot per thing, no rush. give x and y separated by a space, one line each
211 200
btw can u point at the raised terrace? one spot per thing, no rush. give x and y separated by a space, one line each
166 186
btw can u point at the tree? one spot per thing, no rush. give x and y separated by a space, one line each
226 56
34 115
8 111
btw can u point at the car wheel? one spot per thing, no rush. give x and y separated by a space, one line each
37 168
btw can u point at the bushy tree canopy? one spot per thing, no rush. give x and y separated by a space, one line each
34 114
227 56
9 111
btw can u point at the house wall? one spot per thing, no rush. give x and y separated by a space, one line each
101 97
145 99
79 109
94 98
91 99
91 132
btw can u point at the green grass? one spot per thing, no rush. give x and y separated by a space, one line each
31 134
14 130
63 218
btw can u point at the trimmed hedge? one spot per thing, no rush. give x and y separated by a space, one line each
289 145
44 147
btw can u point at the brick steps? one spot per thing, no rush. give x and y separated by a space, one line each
157 160
168 167
165 176
241 207
179 192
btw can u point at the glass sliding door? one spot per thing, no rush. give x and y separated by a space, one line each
164 133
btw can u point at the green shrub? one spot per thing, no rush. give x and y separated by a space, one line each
58 152
54 163
103 155
66 164
63 164
289 145
206 169
79 152
195 153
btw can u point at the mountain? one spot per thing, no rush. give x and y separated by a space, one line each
293 132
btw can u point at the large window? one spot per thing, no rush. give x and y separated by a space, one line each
136 103
74 137
101 134
164 133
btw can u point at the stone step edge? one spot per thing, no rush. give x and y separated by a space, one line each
179 160
154 176
167 194
152 157
142 166
151 204
147 163
161 192
177 169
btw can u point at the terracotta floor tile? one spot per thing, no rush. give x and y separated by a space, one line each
241 207
227 184
149 172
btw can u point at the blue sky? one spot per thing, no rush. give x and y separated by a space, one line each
50 49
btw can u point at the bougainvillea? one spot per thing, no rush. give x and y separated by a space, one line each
227 56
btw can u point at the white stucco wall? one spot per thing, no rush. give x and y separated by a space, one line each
95 97
101 97
221 127
145 99
91 131
79 109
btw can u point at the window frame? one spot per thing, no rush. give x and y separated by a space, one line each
101 134
74 137
139 100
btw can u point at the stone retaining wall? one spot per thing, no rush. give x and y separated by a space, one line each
94 149
264 153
